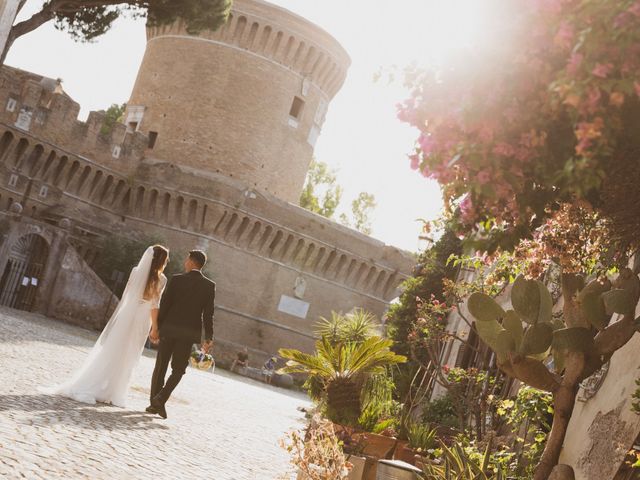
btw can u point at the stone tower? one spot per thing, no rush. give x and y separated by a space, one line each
247 101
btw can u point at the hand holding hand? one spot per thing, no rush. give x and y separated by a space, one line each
154 336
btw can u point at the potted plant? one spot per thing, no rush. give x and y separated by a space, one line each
340 371
420 439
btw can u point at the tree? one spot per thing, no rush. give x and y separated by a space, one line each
321 180
113 115
86 20
361 209
535 142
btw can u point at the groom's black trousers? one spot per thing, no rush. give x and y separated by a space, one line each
176 351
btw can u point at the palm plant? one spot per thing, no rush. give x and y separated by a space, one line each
342 369
356 326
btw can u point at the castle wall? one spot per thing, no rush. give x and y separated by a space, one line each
247 101
32 104
264 252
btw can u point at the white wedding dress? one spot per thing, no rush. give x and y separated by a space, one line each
106 372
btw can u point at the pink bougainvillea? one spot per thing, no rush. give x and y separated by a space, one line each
518 127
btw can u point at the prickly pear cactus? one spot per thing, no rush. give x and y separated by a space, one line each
529 330
504 331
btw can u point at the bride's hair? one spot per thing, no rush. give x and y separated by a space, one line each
160 255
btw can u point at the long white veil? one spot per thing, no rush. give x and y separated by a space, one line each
95 373
132 294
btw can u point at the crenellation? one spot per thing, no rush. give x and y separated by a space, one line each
52 117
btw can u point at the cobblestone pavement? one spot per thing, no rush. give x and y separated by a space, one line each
220 426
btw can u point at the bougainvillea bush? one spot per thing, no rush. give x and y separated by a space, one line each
543 114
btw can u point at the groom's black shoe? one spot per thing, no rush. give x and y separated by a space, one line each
159 408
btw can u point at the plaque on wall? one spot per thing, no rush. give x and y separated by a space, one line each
24 118
293 306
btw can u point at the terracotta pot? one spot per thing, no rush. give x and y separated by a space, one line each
378 446
404 452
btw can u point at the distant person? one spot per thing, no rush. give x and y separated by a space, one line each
268 369
242 359
107 370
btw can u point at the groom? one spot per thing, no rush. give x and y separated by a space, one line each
187 304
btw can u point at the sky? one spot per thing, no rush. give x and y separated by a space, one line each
361 138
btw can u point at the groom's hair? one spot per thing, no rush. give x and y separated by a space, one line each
198 257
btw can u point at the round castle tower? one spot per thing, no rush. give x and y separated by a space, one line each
247 101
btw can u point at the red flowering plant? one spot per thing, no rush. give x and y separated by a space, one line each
534 137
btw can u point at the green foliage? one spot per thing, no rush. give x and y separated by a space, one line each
87 20
118 253
321 178
440 412
356 326
458 464
426 283
530 413
421 436
379 411
322 195
112 116
361 209
343 369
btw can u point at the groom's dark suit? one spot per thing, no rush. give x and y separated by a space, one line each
186 305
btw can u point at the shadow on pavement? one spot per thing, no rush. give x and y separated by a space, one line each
51 410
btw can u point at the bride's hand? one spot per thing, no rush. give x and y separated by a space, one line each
154 336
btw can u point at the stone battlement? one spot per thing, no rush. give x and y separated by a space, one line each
39 106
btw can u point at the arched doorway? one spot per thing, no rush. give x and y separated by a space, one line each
23 273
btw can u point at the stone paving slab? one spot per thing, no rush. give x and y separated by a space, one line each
220 426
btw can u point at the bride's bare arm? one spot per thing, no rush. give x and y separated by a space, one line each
154 334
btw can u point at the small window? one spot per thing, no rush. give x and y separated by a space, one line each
153 136
11 104
44 190
13 180
296 108
115 153
132 127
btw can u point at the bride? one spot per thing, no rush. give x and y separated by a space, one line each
106 373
